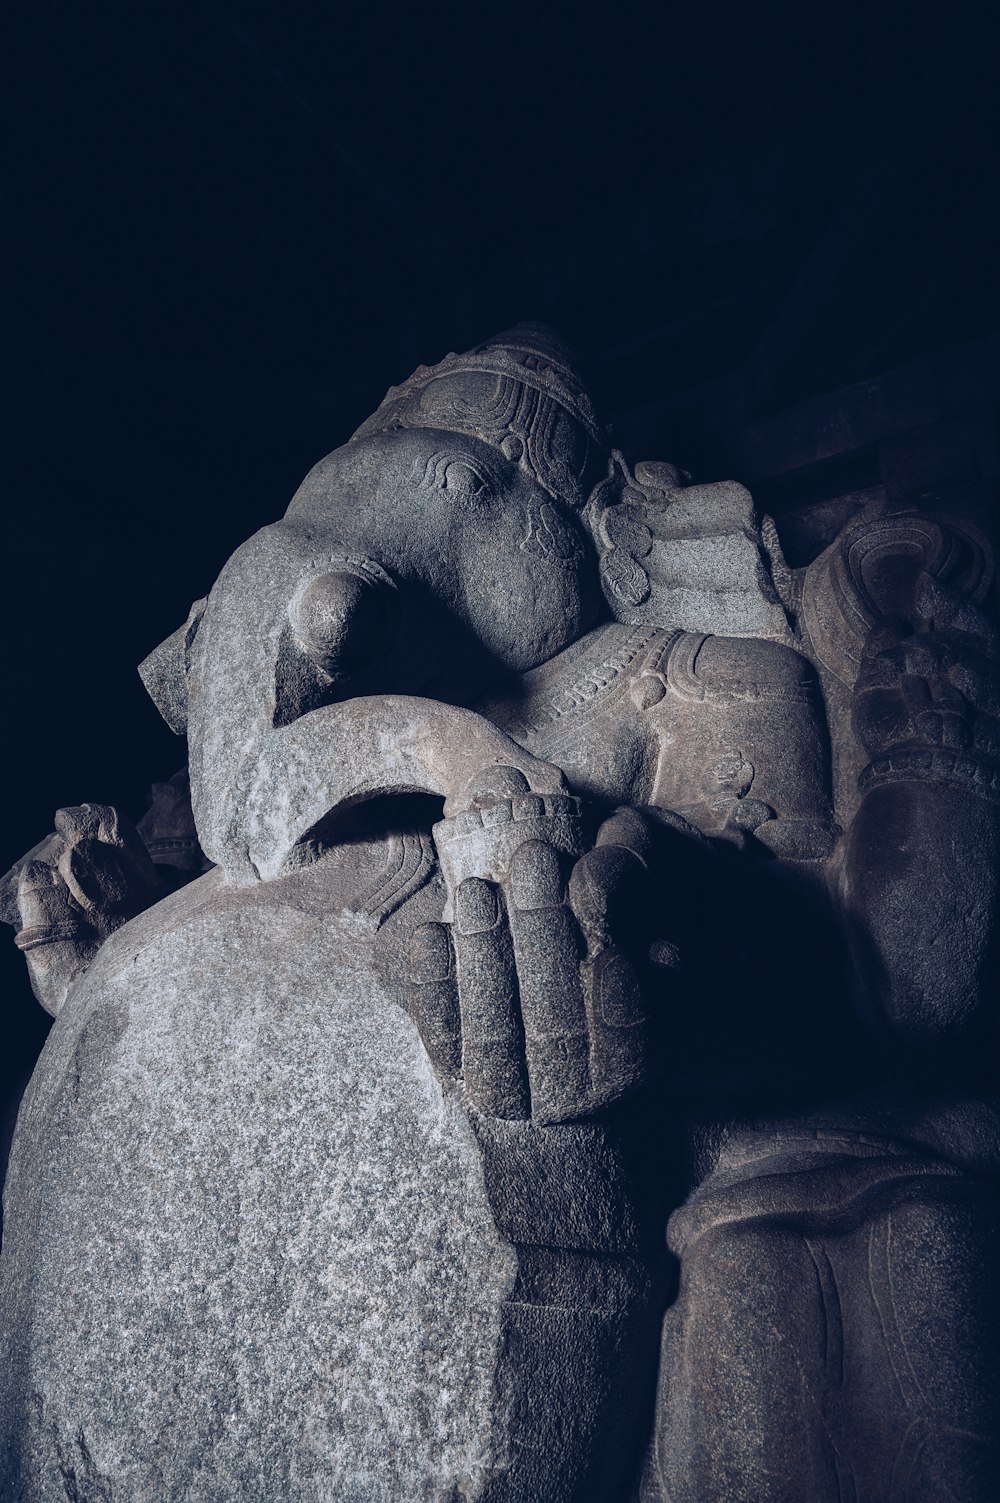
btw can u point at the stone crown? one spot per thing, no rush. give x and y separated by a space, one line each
530 353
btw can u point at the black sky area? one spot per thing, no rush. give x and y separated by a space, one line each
229 226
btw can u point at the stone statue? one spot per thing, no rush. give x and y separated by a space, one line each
575 893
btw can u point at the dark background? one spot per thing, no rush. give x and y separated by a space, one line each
230 226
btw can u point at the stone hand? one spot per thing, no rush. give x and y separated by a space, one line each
936 685
105 865
93 876
528 994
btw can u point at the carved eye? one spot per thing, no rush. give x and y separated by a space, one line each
462 482
341 618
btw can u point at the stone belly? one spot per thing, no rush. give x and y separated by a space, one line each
250 1252
255 1250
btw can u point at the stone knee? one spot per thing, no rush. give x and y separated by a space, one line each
860 1355
922 1317
740 1402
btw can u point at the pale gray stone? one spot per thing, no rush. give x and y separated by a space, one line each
587 879
257 1237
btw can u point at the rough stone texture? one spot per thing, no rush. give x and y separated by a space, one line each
347 1169
864 1275
239 1175
694 556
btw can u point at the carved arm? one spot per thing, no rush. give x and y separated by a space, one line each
891 609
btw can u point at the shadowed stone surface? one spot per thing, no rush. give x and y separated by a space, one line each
590 880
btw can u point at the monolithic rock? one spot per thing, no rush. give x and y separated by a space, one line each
572 896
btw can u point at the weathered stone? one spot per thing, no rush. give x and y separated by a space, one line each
239 1173
582 865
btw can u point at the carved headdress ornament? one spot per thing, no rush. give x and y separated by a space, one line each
520 392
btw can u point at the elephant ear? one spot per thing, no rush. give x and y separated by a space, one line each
164 673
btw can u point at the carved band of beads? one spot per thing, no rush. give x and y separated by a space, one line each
933 764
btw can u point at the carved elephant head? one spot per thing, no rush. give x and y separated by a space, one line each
437 551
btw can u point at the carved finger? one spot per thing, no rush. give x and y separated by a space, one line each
105 864
433 994
616 1017
627 829
547 949
939 713
604 890
95 875
493 1066
79 827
